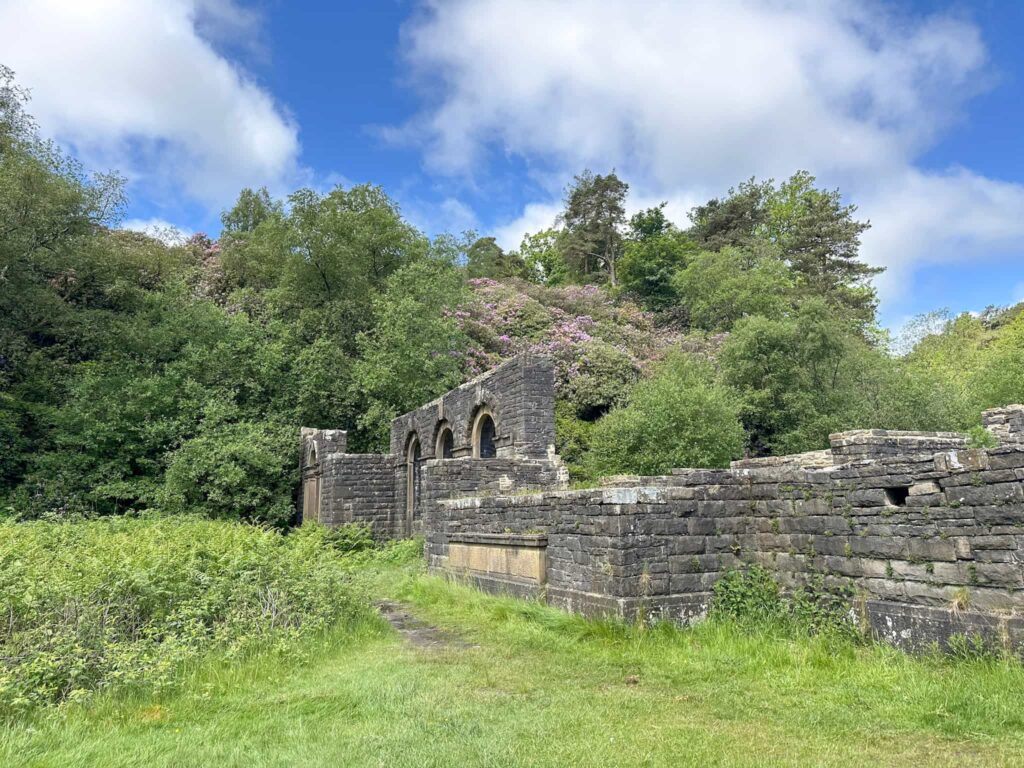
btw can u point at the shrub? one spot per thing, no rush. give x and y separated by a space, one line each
91 604
678 418
241 470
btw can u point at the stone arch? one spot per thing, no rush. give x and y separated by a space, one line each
444 440
484 433
485 400
311 455
413 464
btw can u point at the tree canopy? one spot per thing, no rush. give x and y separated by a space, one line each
137 372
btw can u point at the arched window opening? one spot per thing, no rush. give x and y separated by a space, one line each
483 437
311 455
445 444
412 484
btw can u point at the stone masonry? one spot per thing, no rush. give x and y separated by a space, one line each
924 532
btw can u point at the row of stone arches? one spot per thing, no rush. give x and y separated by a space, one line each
483 436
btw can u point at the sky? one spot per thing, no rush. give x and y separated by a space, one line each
475 115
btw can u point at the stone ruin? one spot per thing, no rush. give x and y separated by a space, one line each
926 533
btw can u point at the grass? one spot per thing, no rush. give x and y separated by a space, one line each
546 688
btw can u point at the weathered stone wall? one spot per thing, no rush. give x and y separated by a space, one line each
520 396
932 545
1005 424
444 480
359 488
881 443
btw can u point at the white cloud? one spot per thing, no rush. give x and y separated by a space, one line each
535 217
959 216
132 85
687 98
159 229
449 215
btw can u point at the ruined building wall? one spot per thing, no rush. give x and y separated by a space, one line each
926 533
931 544
520 395
392 492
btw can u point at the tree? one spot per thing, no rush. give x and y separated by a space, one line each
680 417
820 238
485 258
345 244
654 251
736 221
251 209
720 288
415 351
593 217
543 260
797 376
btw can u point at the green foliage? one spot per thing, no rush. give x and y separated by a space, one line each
602 376
573 436
720 288
753 598
416 349
680 417
543 261
750 596
653 255
485 258
594 214
804 376
241 470
92 605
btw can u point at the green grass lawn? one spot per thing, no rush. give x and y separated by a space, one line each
545 688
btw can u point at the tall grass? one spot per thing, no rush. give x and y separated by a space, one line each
89 605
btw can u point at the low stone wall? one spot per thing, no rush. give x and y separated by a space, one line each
1005 424
458 478
932 545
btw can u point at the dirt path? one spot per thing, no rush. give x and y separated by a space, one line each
417 633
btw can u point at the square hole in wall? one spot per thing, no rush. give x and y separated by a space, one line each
896 496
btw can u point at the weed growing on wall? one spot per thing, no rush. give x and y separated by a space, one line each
754 599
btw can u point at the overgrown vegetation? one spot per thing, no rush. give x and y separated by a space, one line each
91 605
754 599
140 373
535 686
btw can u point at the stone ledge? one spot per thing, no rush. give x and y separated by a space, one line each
500 539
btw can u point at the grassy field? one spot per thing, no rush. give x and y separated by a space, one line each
537 687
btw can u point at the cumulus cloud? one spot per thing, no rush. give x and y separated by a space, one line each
687 98
138 86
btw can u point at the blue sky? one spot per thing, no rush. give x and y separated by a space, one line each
476 114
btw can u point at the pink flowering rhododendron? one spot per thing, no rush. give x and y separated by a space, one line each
598 344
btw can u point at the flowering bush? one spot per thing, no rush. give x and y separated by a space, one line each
600 346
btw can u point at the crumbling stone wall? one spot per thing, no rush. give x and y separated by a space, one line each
926 533
1005 424
374 489
931 546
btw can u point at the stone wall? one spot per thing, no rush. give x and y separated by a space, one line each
520 396
359 488
882 443
1005 424
931 545
927 534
